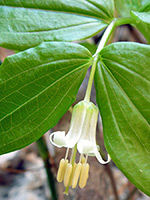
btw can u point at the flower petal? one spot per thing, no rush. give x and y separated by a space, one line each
85 147
87 142
58 139
77 120
100 159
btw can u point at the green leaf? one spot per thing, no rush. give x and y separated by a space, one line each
145 6
125 6
122 84
90 46
139 10
24 24
37 87
142 23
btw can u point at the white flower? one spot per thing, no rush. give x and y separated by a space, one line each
81 137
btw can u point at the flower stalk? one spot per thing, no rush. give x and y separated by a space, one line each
89 87
101 45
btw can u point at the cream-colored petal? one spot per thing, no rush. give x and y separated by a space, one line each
100 159
85 147
69 140
58 138
77 120
87 142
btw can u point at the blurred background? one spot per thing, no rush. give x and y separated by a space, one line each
23 174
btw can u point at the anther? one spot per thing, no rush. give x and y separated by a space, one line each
84 175
67 174
61 170
76 175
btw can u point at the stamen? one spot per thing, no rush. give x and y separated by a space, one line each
80 158
84 175
72 155
67 174
76 175
83 159
67 153
86 158
61 170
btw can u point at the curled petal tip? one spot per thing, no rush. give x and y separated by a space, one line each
58 138
109 158
100 159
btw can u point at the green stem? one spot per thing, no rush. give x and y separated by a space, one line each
45 156
89 87
106 36
116 22
102 43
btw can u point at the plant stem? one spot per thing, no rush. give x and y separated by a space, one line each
102 43
45 156
116 22
89 87
106 36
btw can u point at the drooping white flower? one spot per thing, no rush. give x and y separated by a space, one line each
81 136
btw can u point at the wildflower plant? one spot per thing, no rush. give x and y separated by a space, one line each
81 137
40 82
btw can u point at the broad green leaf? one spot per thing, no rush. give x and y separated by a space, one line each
24 24
122 84
125 6
145 5
37 87
139 10
90 46
143 23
